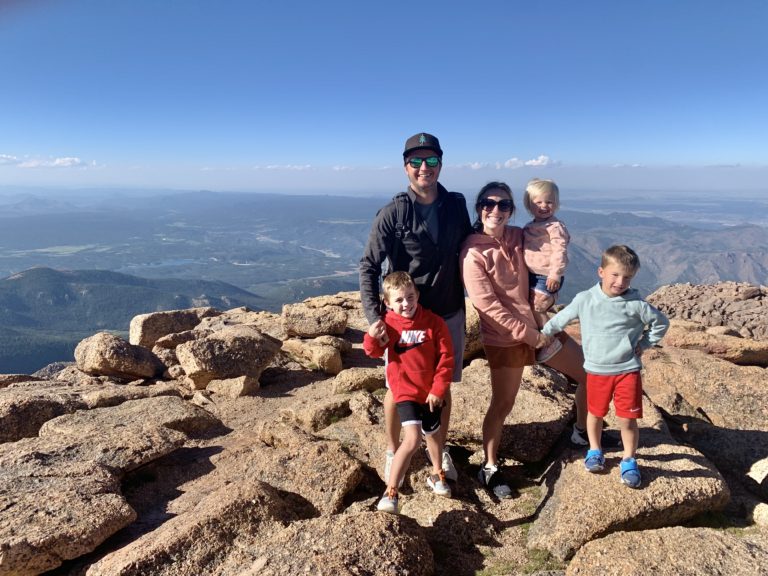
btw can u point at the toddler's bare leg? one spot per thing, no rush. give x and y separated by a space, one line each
595 430
630 435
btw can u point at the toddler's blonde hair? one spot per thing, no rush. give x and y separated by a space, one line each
536 187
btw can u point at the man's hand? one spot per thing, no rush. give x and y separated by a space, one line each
434 402
378 330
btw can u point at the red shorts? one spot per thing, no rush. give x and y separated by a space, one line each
625 389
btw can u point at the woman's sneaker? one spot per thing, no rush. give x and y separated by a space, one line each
491 479
438 484
389 502
595 461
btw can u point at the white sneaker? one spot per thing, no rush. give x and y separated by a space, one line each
448 467
548 351
439 485
389 502
388 466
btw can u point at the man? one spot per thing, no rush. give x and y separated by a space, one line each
420 232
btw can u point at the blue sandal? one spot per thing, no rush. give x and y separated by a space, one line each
630 475
595 461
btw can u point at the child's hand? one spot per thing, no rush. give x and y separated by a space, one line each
553 285
434 402
543 340
378 330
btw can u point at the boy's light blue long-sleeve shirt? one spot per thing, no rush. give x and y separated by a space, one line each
611 328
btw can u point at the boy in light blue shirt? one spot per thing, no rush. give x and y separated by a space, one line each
617 326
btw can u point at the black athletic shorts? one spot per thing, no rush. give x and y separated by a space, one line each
412 413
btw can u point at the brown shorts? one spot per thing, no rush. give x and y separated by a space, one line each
510 356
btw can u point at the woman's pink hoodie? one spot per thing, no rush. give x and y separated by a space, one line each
496 280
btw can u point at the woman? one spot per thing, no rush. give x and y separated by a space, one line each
496 279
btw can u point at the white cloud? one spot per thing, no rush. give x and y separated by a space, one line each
8 159
292 167
542 160
473 165
64 162
513 163
343 168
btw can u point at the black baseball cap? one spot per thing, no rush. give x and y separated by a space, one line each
422 141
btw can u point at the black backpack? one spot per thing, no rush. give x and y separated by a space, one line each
402 229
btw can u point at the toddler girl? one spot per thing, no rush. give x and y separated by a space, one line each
546 253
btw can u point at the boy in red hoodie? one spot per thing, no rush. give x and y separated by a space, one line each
419 369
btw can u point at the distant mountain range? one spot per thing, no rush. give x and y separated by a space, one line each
44 313
670 252
175 250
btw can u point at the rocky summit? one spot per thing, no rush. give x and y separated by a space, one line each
246 443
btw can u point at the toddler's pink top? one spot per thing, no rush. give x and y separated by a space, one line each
546 247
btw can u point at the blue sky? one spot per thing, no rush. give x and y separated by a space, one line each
320 96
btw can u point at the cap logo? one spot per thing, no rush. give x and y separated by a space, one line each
422 139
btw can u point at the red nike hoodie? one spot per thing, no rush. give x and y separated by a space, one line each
419 355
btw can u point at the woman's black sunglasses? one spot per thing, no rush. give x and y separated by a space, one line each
488 205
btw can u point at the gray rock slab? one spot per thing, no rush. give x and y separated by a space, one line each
673 551
231 352
54 505
353 379
60 493
26 406
542 411
346 545
725 394
224 529
146 329
104 354
302 464
678 484
8 379
307 320
133 433
694 336
738 305
314 354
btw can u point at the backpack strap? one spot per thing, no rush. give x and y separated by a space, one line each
401 228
